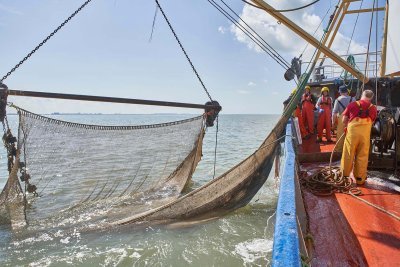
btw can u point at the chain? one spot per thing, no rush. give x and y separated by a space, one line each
44 41
183 50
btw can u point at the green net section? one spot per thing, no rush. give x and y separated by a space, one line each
70 164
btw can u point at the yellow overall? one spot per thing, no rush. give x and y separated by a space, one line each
356 148
339 132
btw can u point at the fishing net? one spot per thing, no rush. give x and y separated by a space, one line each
231 190
62 165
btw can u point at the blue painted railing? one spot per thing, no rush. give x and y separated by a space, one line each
286 250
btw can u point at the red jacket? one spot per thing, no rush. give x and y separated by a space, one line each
366 109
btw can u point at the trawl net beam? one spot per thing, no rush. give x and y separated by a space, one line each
106 99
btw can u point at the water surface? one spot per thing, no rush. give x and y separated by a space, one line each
241 238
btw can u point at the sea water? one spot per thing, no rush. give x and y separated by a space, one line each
242 238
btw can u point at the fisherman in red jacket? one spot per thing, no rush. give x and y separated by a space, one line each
357 119
307 111
324 106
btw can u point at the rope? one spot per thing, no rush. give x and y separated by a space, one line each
45 40
183 50
282 10
327 181
273 142
330 180
376 206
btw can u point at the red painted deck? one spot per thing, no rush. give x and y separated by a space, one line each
311 151
347 231
310 146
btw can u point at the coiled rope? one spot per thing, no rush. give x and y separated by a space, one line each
329 180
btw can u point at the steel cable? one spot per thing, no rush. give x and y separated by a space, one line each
183 49
249 34
281 10
45 40
276 53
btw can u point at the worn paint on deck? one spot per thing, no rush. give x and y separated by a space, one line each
348 232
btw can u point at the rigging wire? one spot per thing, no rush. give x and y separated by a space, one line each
354 28
329 9
45 40
269 46
248 34
154 24
183 49
369 42
282 10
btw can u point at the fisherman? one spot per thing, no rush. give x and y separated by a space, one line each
307 111
357 120
324 107
337 115
297 114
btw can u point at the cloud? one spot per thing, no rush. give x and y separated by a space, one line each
251 84
283 39
243 92
222 29
275 93
10 10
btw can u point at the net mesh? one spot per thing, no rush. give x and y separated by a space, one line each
71 164
231 190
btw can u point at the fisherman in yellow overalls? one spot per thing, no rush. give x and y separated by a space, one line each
357 119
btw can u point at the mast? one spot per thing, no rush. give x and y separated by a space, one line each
384 42
322 48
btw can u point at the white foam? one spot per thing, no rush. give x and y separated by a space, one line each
114 256
43 237
253 249
65 240
135 255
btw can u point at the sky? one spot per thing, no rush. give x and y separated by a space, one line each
105 50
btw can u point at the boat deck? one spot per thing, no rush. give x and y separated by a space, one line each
311 151
348 231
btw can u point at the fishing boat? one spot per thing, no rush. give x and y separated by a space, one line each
333 227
